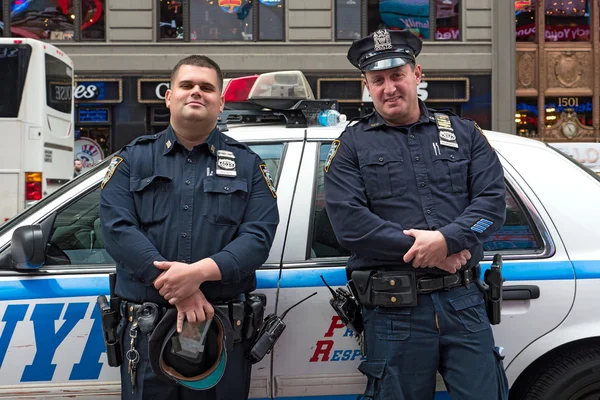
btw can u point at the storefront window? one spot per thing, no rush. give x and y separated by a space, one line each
93 26
557 107
171 19
42 19
526 117
525 20
347 19
567 20
416 15
446 20
270 20
221 20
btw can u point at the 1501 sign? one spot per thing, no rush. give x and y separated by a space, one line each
568 101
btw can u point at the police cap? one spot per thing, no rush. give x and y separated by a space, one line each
384 49
171 359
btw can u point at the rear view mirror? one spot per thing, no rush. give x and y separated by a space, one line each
27 249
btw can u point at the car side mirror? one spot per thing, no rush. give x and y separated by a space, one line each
27 248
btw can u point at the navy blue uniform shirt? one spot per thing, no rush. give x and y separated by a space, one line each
381 180
160 201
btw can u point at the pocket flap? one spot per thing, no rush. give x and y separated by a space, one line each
137 184
373 368
449 157
379 157
225 186
470 300
393 281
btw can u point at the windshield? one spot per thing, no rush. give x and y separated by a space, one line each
574 161
19 217
14 62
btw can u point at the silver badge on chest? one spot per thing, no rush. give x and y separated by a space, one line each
445 130
226 164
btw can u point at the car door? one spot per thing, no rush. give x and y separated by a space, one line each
318 356
50 336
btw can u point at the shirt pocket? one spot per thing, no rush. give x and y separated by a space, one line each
383 173
451 172
151 196
225 200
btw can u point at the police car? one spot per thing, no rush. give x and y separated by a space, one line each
53 265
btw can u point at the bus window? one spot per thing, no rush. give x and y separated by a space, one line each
14 62
59 86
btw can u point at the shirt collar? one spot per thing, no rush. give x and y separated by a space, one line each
376 120
212 142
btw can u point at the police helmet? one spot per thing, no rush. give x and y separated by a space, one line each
385 49
195 358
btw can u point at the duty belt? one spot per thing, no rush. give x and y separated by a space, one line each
428 283
394 288
148 314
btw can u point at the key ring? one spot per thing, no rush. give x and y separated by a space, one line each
132 356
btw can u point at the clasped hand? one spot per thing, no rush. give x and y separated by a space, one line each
177 282
430 250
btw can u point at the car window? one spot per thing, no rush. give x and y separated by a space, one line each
516 235
271 156
324 242
76 236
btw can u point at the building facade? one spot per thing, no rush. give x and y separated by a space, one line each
558 73
124 50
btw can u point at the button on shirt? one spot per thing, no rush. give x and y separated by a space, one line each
383 180
164 202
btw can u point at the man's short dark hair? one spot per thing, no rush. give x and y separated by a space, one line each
199 61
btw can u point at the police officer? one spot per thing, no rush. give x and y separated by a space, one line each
416 192
188 214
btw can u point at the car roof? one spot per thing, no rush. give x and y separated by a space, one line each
269 132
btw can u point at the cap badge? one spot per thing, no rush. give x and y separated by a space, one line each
382 40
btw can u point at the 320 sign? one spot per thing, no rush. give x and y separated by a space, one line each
62 92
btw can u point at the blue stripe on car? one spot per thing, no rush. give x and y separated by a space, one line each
85 285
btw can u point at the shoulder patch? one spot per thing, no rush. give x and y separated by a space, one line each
268 179
483 134
114 163
478 128
335 145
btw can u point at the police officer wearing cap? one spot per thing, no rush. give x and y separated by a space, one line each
413 193
188 214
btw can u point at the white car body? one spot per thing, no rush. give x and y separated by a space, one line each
50 338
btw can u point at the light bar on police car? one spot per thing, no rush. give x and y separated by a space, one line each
274 90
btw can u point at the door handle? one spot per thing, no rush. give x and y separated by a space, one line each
520 292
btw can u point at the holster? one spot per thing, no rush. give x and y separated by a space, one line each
255 314
385 288
246 316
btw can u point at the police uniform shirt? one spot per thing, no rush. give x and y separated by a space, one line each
381 180
160 201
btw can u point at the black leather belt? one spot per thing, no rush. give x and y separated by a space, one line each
429 284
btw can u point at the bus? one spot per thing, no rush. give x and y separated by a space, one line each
36 122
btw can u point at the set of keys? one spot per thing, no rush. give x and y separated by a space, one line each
132 355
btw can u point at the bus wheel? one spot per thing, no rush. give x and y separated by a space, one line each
571 376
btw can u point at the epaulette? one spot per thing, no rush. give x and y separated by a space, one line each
446 111
144 139
232 142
